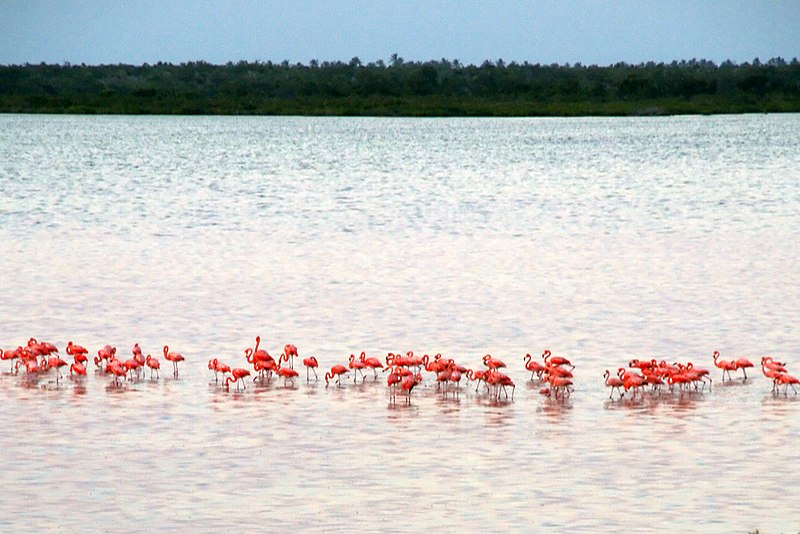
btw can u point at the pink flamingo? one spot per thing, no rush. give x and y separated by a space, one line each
743 364
10 355
555 360
726 365
153 364
311 363
237 375
614 382
289 352
78 369
392 380
286 373
372 363
492 363
359 366
337 371
534 367
174 357
53 361
218 367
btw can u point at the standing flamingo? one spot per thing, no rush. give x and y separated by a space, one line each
492 363
743 364
289 352
372 363
787 380
534 367
153 364
392 380
726 365
311 363
359 366
174 357
408 383
11 355
555 360
218 367
614 382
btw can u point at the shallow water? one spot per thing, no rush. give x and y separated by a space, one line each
600 239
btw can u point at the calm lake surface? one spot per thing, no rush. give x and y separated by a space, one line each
599 239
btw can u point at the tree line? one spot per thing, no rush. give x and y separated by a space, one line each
403 88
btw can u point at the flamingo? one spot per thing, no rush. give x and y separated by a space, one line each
174 357
743 364
116 368
31 366
53 361
499 381
289 352
73 349
455 377
372 363
337 371
392 380
614 383
260 354
698 375
131 366
408 383
264 368
770 363
787 380
359 366
443 377
78 369
492 363
311 363
555 360
81 359
11 355
218 367
631 381
534 367
107 353
478 376
237 375
560 384
726 365
153 364
286 373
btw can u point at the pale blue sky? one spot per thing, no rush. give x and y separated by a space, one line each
558 31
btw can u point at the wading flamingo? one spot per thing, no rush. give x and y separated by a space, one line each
337 371
174 357
153 364
614 382
726 366
311 363
237 375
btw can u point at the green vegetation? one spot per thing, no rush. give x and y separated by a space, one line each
399 88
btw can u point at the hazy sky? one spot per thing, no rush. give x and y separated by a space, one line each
556 31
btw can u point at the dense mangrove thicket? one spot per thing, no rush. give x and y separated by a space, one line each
400 88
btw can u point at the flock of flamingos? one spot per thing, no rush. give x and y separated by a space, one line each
554 373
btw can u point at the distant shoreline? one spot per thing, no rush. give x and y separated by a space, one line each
431 89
